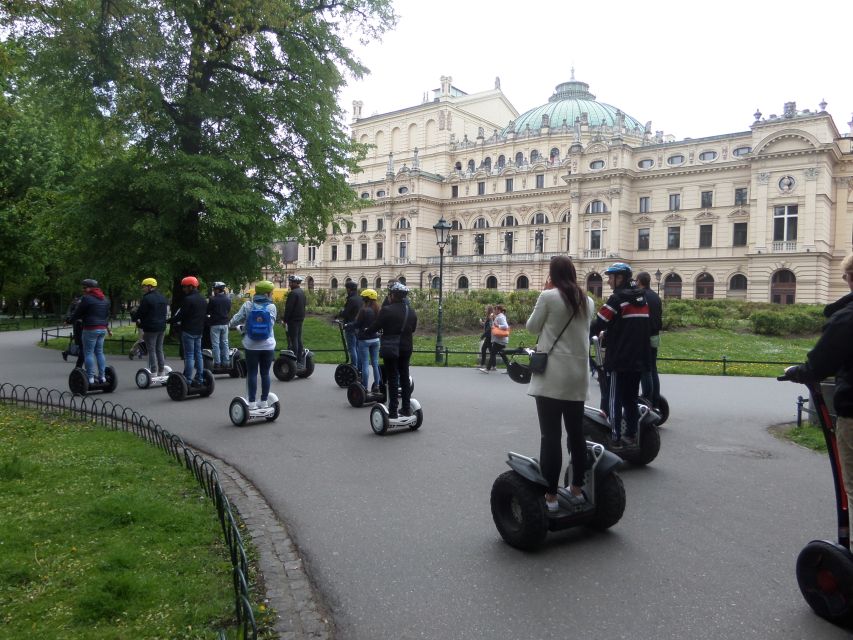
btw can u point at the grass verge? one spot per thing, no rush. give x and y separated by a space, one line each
808 435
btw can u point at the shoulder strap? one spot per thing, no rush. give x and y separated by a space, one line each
559 335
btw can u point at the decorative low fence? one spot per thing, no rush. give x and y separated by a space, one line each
115 416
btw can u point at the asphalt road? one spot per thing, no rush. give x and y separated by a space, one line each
397 533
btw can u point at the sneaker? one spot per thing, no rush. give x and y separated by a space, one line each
552 507
102 380
253 406
405 411
392 415
616 445
483 369
91 380
264 404
629 441
160 374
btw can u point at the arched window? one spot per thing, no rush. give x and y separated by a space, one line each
434 283
363 283
555 155
540 218
491 282
463 282
380 193
509 221
334 283
402 279
471 166
458 166
705 287
378 284
783 287
403 190
738 282
534 156
596 206
501 161
594 284
487 164
522 283
403 223
455 225
310 283
519 159
481 223
567 217
672 286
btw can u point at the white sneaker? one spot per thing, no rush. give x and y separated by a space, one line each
253 406
264 404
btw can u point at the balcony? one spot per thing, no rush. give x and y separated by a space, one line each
595 253
496 258
784 246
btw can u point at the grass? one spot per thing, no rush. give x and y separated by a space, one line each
103 537
808 435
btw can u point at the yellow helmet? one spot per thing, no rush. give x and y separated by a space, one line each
370 294
149 282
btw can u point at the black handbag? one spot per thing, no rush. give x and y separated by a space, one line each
539 359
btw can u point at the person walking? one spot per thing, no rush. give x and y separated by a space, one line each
218 311
625 317
368 341
93 312
192 316
150 315
486 338
650 381
500 337
260 351
348 315
397 321
561 318
294 316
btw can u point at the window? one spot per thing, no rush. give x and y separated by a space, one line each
481 188
675 160
739 234
310 282
706 234
674 201
596 206
363 283
595 239
379 248
455 226
364 251
522 283
540 218
741 196
501 162
470 166
519 159
454 245
363 226
509 221
540 181
481 223
534 156
365 195
741 151
509 185
645 207
479 244
672 286
738 282
646 163
487 164
508 238
594 284
334 283
491 282
334 252
454 191
380 224
539 241
458 166
312 254
705 287
378 284
568 239
380 193
785 223
707 156
707 199
403 223
643 239
403 190
595 165
783 287
349 252
555 154
673 238
463 282
404 249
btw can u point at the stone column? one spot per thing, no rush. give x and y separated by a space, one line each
759 223
615 222
575 226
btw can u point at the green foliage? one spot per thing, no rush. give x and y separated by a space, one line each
798 319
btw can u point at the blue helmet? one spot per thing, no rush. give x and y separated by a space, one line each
619 268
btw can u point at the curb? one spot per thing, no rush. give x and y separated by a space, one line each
300 612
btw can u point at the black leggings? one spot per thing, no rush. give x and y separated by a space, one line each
487 344
552 413
397 375
495 347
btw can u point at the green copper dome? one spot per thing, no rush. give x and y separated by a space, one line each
569 101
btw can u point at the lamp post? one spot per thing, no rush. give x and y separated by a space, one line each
442 235
658 275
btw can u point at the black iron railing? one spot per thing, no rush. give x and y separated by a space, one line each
115 416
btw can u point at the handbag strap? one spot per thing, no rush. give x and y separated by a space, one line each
559 335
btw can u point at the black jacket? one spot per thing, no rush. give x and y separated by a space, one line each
362 323
625 318
352 307
218 309
93 311
390 323
833 355
192 314
655 312
294 306
151 312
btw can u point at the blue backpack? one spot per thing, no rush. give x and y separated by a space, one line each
258 323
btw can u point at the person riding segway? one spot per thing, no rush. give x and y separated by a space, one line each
296 360
93 312
150 316
195 380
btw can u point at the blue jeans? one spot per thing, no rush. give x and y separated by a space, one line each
93 348
193 358
258 361
353 348
219 343
368 355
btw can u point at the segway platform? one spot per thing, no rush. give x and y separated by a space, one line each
78 382
146 378
381 421
240 413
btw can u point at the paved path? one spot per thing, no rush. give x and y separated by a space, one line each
397 533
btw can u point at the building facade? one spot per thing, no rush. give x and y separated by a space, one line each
760 215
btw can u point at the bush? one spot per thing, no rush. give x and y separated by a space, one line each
798 320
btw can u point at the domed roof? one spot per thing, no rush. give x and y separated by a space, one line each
569 101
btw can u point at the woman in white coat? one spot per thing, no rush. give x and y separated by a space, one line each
561 319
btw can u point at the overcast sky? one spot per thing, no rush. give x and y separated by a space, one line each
693 68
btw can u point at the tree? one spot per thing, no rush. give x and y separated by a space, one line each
230 136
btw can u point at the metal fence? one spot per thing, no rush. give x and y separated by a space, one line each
115 416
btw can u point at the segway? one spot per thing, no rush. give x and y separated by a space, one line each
179 389
358 395
146 378
825 568
234 368
346 373
240 412
518 499
286 366
381 420
78 382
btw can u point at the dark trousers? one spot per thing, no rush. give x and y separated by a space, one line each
294 338
495 347
258 361
622 403
397 375
552 414
650 381
487 346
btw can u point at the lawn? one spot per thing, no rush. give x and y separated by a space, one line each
104 537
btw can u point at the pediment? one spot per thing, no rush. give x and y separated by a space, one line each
674 217
644 220
705 216
739 213
788 140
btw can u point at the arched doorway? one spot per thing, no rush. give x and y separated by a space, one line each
783 287
595 285
522 283
738 286
672 286
705 287
491 282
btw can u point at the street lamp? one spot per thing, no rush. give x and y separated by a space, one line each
658 275
442 235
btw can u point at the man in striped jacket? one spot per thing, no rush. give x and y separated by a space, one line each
625 318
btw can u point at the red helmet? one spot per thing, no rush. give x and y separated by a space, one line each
190 281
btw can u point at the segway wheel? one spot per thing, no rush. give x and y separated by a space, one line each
609 501
284 369
209 384
276 413
825 577
419 415
143 378
379 421
345 375
236 368
308 369
518 509
112 380
176 387
356 395
78 382
649 446
238 411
